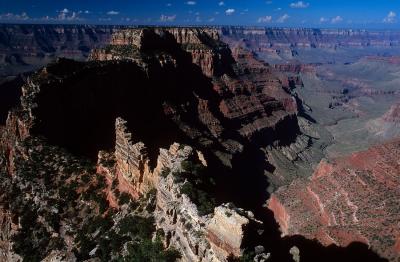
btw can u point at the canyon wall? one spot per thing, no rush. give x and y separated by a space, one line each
29 47
214 237
203 44
266 38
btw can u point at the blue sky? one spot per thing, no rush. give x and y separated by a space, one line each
283 13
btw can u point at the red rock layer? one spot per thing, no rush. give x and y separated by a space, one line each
257 97
354 198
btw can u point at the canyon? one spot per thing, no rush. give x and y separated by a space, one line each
225 143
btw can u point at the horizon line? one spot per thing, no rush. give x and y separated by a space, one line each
199 26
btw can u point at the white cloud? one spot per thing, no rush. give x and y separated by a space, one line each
63 16
198 19
265 19
65 11
14 17
166 18
87 12
337 19
212 19
191 2
168 4
390 18
230 11
221 3
283 18
299 4
268 2
112 12
323 20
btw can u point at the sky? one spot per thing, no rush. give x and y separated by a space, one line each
273 13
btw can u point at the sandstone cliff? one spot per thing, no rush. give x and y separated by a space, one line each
214 237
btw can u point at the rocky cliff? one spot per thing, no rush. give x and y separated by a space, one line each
250 97
345 200
267 38
73 105
28 47
204 45
180 124
215 237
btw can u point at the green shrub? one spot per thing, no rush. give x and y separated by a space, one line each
124 198
165 172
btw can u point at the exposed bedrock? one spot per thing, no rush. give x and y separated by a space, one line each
204 46
393 115
350 199
198 237
265 38
170 109
26 47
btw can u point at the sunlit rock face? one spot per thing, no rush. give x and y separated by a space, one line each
203 44
213 237
353 198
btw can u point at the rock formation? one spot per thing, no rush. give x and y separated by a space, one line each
393 115
132 162
345 200
199 238
126 44
27 47
311 38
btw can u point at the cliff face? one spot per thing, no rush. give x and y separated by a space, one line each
345 200
250 97
28 47
393 115
74 105
204 45
266 38
214 237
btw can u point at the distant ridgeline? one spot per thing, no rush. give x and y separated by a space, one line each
25 47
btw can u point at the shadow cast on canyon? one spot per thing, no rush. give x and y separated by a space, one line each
79 114
10 92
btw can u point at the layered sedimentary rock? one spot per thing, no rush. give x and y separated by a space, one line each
257 98
199 238
354 198
132 161
265 38
386 126
203 44
393 115
253 98
25 47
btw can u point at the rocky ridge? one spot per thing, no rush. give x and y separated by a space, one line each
214 237
183 225
267 38
26 47
238 115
